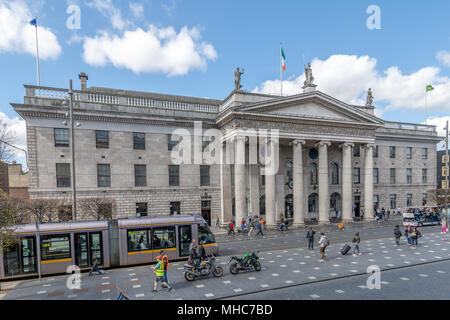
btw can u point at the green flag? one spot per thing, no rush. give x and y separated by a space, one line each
429 87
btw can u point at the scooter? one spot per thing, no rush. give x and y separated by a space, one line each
247 262
205 268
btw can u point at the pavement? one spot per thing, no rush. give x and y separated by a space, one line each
291 272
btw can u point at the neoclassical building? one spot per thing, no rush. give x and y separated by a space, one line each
333 157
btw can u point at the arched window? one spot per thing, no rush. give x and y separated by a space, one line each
335 174
313 174
312 202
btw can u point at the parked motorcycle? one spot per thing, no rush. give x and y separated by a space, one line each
204 268
247 262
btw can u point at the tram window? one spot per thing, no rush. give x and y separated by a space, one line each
205 234
55 247
139 239
163 237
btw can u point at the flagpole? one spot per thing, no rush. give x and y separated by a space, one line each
426 107
37 55
281 70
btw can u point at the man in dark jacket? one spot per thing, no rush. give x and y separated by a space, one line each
310 237
397 235
201 251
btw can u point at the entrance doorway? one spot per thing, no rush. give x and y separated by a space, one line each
88 247
206 211
20 258
184 238
357 206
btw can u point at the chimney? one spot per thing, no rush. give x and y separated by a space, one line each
84 78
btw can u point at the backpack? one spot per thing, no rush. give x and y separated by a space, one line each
326 242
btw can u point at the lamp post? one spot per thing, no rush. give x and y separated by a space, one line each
38 250
446 170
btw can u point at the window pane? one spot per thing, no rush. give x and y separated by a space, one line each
138 140
103 175
101 139
356 176
392 152
174 175
356 151
171 142
204 175
392 175
62 175
55 247
375 152
424 153
141 209
139 239
163 237
408 152
375 175
140 175
424 175
61 137
175 208
205 235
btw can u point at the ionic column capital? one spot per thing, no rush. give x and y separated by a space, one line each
323 143
346 145
239 139
295 142
368 145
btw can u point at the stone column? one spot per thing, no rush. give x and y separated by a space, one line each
297 175
270 188
347 202
368 182
239 181
225 189
324 196
254 189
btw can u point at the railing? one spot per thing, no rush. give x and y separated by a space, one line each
410 126
97 97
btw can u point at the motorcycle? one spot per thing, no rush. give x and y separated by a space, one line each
247 262
205 268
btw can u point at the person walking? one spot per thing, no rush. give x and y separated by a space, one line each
242 225
231 228
251 225
262 223
444 225
260 228
323 242
341 227
165 261
388 213
399 212
310 236
356 240
414 236
397 235
159 275
217 223
407 234
95 268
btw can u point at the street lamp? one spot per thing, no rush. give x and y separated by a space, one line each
38 251
72 134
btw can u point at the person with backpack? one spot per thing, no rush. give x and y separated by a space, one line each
415 233
260 228
310 237
201 252
356 240
159 274
165 261
397 235
324 243
231 228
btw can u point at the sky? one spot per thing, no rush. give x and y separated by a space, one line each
192 48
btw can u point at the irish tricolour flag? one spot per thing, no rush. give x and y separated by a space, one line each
283 59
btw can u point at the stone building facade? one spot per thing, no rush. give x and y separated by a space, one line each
332 155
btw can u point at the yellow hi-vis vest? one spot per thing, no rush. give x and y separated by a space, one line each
159 271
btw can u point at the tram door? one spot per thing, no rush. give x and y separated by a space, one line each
88 246
20 258
184 240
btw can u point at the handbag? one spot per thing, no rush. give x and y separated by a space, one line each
413 234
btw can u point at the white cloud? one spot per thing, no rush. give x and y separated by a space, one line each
347 77
154 50
444 57
439 122
17 128
107 9
18 36
137 9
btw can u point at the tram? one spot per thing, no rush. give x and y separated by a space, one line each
113 243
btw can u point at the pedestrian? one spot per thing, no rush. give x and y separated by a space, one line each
217 223
356 240
159 275
341 227
388 213
383 213
337 213
122 295
95 268
192 244
165 261
201 251
361 212
399 213
444 225
262 223
310 237
407 234
397 235
251 226
415 234
193 256
243 225
323 242
231 228
259 226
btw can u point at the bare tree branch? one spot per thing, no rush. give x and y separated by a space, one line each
97 208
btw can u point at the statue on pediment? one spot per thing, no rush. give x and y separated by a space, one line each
369 99
237 79
308 75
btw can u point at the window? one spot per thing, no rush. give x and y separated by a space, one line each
392 152
375 152
313 174
205 234
174 176
103 175
61 137
393 198
205 142
356 175
408 152
312 202
409 200
376 201
163 237
62 175
356 151
141 209
334 174
424 175
139 240
138 141
263 180
424 153
204 175
444 171
140 175
392 176
408 175
375 175
55 247
102 139
424 199
175 208
171 143
444 184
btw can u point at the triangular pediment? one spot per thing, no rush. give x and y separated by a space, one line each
314 105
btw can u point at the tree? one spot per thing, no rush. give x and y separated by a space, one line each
97 208
7 138
39 210
440 196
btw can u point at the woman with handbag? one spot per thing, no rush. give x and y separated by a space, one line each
414 236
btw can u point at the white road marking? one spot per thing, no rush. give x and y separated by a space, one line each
41 292
354 271
390 265
237 290
336 265
105 283
200 285
251 278
72 296
275 274
134 279
289 281
440 271
283 266
209 295
362 287
132 274
314 296
47 285
423 275
405 279
296 271
265 285
316 268
226 281
105 291
105 278
312 278
136 286
130 269
333 274
340 291
140 295
385 282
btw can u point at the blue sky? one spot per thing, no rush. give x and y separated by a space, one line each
411 49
